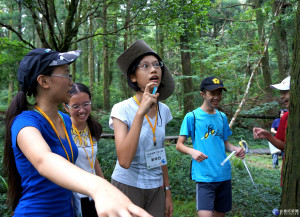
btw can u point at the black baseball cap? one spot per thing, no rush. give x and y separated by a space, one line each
37 60
212 83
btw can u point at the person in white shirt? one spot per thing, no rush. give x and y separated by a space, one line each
86 131
139 126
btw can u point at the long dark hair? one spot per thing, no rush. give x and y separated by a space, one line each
94 126
18 104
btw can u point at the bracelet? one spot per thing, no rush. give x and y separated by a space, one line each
168 188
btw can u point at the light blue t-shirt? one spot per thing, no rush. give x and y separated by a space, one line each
212 130
41 197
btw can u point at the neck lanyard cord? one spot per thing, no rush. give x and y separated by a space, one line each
152 128
66 133
82 145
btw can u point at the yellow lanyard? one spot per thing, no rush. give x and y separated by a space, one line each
152 128
82 145
66 133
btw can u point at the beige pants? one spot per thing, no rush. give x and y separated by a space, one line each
151 200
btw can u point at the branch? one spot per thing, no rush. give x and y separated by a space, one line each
228 19
237 5
8 27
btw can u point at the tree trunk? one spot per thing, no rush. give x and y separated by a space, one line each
265 60
188 99
281 45
113 40
290 199
123 80
99 69
91 58
73 66
106 97
85 54
160 41
11 73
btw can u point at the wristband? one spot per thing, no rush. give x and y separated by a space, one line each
168 188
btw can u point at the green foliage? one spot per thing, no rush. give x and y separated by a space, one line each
183 188
107 157
262 108
247 201
3 99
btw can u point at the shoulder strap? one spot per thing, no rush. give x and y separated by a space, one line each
194 124
221 115
194 139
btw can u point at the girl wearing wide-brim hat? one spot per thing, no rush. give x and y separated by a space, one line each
39 152
139 127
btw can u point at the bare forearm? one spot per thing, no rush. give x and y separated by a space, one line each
69 176
127 141
180 146
98 169
276 142
165 175
229 147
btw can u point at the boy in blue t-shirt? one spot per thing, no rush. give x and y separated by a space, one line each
209 131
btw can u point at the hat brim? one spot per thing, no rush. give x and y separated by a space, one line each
167 85
214 87
65 58
279 87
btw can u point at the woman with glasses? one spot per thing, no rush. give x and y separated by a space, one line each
139 127
39 152
86 131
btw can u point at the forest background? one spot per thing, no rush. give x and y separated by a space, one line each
248 44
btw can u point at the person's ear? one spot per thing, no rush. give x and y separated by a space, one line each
202 94
43 81
66 107
133 78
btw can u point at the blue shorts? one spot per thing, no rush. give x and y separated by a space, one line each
214 196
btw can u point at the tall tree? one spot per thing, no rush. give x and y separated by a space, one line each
281 44
290 199
261 32
106 93
91 62
189 16
11 73
188 100
126 44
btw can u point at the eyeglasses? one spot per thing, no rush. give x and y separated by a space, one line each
78 107
147 66
64 76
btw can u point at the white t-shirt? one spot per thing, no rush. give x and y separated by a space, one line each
137 175
83 161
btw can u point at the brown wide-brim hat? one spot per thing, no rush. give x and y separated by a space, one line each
137 49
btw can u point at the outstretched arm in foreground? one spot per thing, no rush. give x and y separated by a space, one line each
109 201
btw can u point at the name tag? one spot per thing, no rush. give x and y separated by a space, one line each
156 158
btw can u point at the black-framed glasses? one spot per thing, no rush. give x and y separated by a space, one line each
78 107
147 66
63 76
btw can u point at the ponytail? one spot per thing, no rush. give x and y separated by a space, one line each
94 127
17 106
